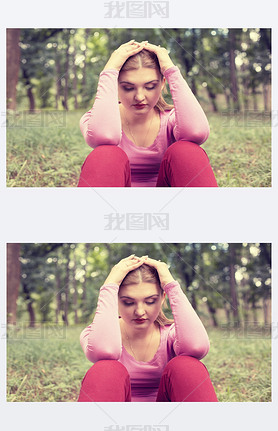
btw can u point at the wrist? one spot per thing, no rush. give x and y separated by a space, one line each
111 280
166 282
166 67
110 66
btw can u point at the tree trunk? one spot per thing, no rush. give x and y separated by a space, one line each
255 314
13 280
66 290
266 308
65 101
212 97
84 71
32 319
58 295
84 295
31 99
255 102
28 86
13 64
58 80
74 84
266 97
234 86
233 288
75 295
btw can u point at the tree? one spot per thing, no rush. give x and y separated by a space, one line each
232 253
13 65
233 72
13 280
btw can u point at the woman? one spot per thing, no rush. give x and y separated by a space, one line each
139 354
140 140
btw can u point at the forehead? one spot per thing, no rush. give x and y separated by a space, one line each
139 76
139 291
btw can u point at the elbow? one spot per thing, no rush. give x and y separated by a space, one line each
94 355
94 140
199 351
200 136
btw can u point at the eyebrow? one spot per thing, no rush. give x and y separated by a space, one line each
131 83
148 297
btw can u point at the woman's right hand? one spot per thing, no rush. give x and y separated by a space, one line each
120 55
121 269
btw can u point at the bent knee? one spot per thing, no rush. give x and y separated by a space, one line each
108 150
183 363
185 149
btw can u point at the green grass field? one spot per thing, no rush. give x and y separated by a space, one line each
48 365
47 149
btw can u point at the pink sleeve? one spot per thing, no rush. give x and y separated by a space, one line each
102 124
102 339
188 120
187 335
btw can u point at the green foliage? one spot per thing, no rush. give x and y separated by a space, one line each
202 55
49 366
239 363
239 148
66 278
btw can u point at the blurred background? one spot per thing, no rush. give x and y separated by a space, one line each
227 284
52 77
52 292
59 68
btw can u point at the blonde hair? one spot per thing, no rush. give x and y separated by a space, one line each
147 274
147 59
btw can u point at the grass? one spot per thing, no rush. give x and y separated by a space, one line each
47 149
48 366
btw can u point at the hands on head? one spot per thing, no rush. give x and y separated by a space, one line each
121 54
132 262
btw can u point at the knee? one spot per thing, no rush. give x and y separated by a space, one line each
184 365
188 150
107 368
107 153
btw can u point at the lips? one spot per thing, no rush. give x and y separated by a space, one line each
140 106
140 320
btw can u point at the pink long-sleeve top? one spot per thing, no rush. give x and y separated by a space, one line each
186 121
186 336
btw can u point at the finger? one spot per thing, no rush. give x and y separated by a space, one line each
132 256
132 266
151 46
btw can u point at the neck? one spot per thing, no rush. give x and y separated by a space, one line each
135 119
139 333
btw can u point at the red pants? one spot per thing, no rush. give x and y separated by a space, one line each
184 379
184 164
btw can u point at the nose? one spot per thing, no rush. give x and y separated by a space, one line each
139 311
139 96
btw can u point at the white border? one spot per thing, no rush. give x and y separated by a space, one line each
51 215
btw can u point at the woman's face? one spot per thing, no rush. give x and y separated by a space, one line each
139 304
140 89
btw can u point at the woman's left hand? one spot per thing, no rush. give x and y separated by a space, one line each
164 274
165 61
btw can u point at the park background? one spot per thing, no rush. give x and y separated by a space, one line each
52 291
52 77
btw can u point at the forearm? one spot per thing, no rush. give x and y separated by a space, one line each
102 339
190 335
102 124
190 120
